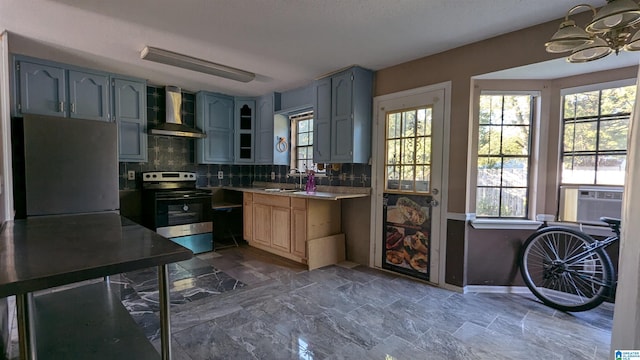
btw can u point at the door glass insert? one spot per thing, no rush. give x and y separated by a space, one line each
408 150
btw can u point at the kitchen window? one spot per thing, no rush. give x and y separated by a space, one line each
302 142
504 154
595 128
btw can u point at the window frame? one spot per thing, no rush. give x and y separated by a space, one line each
294 119
533 119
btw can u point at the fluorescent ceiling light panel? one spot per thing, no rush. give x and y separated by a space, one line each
195 64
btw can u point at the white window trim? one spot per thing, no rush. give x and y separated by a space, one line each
596 87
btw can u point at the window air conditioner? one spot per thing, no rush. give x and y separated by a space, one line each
583 204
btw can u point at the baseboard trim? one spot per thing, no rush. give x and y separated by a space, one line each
496 289
450 287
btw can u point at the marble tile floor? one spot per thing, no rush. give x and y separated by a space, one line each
278 310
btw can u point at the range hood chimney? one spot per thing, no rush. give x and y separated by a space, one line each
173 125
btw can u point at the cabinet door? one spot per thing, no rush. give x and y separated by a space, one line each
247 218
262 224
245 116
281 230
341 117
215 117
299 232
322 121
88 96
264 133
42 89
130 114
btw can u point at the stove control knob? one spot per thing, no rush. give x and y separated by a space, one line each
154 175
147 176
185 207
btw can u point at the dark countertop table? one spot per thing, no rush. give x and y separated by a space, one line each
44 252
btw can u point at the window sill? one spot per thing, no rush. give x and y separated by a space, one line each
505 224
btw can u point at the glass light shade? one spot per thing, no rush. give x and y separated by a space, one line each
567 38
616 14
634 43
589 52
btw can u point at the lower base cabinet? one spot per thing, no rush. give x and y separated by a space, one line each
285 225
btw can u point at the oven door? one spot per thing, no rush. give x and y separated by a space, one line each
175 211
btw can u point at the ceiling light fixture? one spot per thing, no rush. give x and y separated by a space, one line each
609 31
187 62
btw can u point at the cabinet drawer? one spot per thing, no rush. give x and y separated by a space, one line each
273 200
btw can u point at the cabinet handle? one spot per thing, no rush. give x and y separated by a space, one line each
73 107
61 106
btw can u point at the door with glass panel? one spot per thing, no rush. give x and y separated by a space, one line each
410 163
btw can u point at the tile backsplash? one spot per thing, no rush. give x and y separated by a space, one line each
178 154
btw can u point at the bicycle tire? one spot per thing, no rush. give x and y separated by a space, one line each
579 286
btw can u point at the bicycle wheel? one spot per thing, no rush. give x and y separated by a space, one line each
559 272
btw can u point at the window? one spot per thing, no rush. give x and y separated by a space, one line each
302 135
595 128
408 150
504 148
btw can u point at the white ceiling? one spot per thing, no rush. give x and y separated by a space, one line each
287 43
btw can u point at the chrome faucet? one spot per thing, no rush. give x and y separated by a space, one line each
299 172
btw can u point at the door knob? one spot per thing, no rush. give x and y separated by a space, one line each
435 191
434 203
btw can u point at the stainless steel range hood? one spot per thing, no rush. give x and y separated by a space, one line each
173 125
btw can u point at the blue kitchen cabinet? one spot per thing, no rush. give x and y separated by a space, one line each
41 89
130 113
215 115
342 111
264 130
88 95
322 121
245 127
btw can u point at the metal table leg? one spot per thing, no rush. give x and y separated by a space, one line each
165 317
26 331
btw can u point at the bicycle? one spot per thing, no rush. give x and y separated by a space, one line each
567 269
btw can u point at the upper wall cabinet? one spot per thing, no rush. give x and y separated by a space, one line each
130 113
342 117
245 130
48 89
272 132
214 115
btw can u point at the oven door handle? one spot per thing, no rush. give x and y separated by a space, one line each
197 197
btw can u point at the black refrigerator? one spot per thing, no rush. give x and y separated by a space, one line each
64 166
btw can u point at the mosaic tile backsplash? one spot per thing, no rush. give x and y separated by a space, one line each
178 154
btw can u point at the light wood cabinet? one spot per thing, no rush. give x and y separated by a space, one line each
286 225
247 215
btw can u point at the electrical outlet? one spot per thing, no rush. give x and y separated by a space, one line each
131 175
220 175
273 175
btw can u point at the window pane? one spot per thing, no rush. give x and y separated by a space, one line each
409 123
578 169
423 175
489 171
302 152
569 106
485 110
488 202
495 109
423 150
515 172
489 140
393 125
393 151
303 125
611 170
568 137
303 139
517 109
406 178
515 140
618 100
393 177
613 135
587 104
585 136
424 122
408 152
513 203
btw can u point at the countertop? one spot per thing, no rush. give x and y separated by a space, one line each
322 193
43 252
